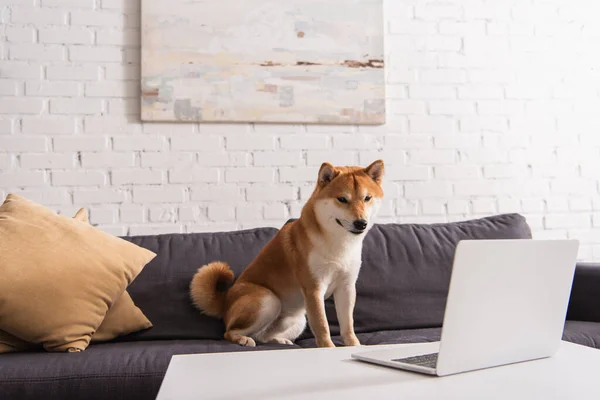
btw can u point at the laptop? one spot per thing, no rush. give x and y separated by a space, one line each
507 303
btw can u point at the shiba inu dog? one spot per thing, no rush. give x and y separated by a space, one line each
310 259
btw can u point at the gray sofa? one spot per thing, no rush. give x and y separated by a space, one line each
401 294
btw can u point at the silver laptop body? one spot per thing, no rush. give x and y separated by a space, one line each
507 303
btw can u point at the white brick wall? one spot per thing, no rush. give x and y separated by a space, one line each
493 107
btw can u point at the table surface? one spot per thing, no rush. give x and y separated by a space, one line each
574 373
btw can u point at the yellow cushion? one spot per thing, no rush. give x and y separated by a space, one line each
59 276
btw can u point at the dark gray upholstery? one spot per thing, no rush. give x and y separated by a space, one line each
401 290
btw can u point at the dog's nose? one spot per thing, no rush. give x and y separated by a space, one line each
360 224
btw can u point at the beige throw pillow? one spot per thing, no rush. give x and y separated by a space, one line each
63 274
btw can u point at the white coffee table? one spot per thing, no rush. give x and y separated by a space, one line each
574 373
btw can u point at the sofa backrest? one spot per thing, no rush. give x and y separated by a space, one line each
161 290
403 282
405 274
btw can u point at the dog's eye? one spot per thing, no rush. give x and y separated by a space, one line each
342 200
367 199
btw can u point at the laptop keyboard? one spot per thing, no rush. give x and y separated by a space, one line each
425 360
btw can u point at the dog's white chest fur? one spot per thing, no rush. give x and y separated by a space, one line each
336 264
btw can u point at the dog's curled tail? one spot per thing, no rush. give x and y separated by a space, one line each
204 288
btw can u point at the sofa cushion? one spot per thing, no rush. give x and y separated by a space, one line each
384 337
116 371
405 274
583 332
161 290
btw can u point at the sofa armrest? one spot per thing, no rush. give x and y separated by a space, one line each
584 304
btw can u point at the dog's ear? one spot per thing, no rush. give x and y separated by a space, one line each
375 171
326 173
81 215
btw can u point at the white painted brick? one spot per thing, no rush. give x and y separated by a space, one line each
438 11
165 194
20 70
433 207
571 220
22 179
12 105
426 190
48 126
114 125
470 28
250 175
72 72
107 159
484 206
97 18
484 156
432 156
68 3
99 196
276 211
113 37
23 143
457 141
301 174
162 214
490 75
451 107
103 215
495 171
509 205
50 89
6 126
250 142
20 34
412 27
262 192
401 75
427 92
47 196
188 214
112 89
438 43
354 141
193 175
387 209
407 107
8 87
139 143
305 192
477 188
390 157
455 172
219 193
75 106
38 16
196 143
443 76
79 143
123 5
78 178
532 205
457 206
220 212
304 142
337 157
47 160
122 72
132 214
406 207
480 92
123 106
135 176
36 52
6 161
276 158
412 141
167 160
408 173
574 186
246 212
219 159
173 129
69 35
500 107
557 204
96 54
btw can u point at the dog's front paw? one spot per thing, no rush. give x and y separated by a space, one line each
351 340
325 343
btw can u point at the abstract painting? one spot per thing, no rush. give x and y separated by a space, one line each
280 61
